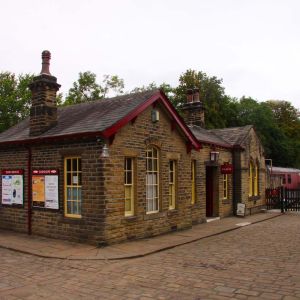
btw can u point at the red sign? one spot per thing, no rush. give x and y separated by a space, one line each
12 172
44 172
227 169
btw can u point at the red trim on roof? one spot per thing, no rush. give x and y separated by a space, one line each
109 132
159 96
37 140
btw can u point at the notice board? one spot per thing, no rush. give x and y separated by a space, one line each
12 187
45 189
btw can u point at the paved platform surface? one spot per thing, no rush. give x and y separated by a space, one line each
53 248
260 261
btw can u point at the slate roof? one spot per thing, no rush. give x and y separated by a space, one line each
209 137
234 135
103 117
82 118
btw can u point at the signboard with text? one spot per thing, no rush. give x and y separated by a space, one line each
241 207
45 189
12 187
226 169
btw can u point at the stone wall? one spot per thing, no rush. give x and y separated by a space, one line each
253 151
132 141
53 223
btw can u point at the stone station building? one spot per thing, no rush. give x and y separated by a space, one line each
122 168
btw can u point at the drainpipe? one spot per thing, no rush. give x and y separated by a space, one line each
29 194
234 200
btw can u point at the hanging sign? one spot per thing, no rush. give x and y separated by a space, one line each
45 189
12 187
226 169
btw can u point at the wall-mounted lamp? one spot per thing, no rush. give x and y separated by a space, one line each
105 151
214 156
155 115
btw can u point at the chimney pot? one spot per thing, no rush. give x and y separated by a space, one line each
196 96
189 95
46 56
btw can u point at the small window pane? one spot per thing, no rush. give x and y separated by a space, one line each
68 165
69 194
69 180
74 164
79 194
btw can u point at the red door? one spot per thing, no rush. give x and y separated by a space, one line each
209 192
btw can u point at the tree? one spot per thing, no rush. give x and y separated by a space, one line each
86 88
212 94
15 98
165 87
287 117
112 83
278 145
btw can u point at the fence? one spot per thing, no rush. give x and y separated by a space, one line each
283 199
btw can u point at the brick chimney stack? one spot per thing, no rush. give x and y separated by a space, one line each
43 111
193 109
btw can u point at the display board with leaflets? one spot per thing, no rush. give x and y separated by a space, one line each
45 189
12 187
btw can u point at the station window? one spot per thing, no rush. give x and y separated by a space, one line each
225 186
73 187
129 185
172 184
193 179
152 180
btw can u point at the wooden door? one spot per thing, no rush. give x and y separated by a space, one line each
209 192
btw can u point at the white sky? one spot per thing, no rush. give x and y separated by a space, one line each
254 45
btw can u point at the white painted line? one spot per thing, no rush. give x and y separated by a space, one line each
243 224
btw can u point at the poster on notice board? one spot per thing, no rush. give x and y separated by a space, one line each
45 189
12 187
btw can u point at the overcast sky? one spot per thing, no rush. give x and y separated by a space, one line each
253 45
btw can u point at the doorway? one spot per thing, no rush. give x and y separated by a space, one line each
212 204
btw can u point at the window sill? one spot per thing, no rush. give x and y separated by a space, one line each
172 212
129 219
69 220
154 215
254 198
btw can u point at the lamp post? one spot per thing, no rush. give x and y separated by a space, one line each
271 165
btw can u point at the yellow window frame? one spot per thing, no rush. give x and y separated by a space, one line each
193 179
152 180
172 184
71 187
129 186
255 180
225 186
250 179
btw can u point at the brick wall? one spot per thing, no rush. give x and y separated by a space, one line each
103 220
132 141
253 151
52 223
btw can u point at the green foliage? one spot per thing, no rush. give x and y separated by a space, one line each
112 83
276 122
15 98
86 88
212 93
287 117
